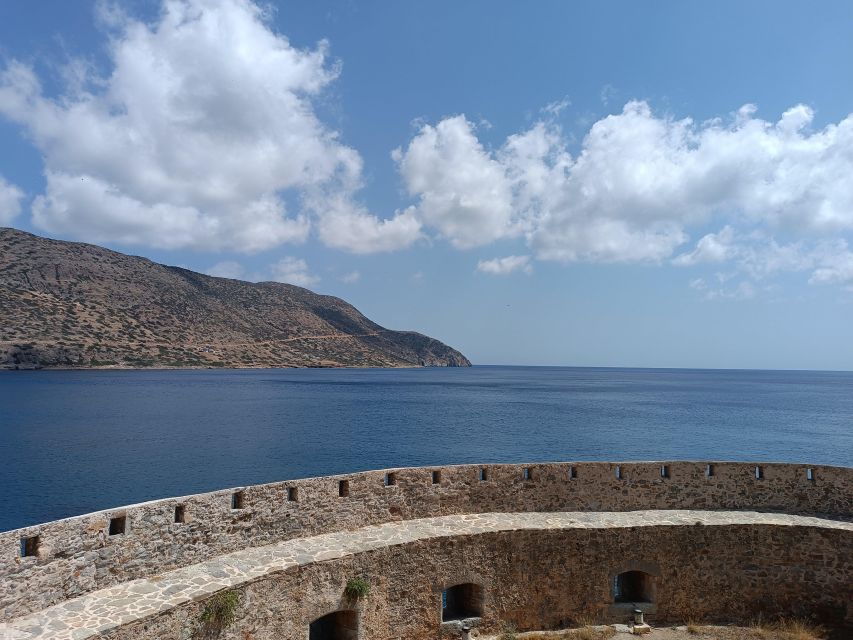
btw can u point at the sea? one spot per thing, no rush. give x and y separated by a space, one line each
72 442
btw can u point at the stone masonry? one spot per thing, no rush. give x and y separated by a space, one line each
545 542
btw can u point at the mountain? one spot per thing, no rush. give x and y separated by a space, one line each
66 304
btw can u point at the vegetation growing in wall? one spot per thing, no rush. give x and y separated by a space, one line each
219 612
356 589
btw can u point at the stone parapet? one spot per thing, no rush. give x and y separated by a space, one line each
533 570
44 565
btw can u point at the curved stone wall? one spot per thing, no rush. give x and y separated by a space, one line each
549 579
533 570
72 557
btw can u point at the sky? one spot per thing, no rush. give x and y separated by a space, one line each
632 183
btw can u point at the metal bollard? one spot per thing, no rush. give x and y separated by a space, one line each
466 633
638 617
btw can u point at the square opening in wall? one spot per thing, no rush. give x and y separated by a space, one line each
436 477
390 479
484 474
29 546
810 475
759 473
118 525
573 473
664 471
709 471
343 488
461 601
527 474
618 473
179 513
237 500
292 494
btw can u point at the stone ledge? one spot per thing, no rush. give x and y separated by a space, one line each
66 559
99 611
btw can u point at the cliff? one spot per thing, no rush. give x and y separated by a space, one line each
65 304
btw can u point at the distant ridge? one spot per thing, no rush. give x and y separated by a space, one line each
67 304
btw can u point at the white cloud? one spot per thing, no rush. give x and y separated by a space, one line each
205 120
753 253
759 257
293 271
556 107
504 266
462 191
714 247
10 201
745 290
347 226
204 133
835 266
639 183
351 278
227 269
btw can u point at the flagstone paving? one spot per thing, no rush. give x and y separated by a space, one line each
99 611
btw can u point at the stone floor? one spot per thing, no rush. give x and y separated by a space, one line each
87 616
695 632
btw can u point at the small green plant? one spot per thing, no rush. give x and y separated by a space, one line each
220 610
357 588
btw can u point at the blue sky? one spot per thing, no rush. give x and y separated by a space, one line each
588 183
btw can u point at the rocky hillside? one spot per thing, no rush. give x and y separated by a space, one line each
65 304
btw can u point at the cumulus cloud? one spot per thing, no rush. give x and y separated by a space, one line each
839 273
759 257
714 247
204 122
10 201
754 253
463 192
345 225
504 266
293 271
639 184
203 133
227 269
641 180
351 278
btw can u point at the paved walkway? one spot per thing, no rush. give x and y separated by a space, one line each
86 616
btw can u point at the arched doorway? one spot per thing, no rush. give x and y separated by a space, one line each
338 625
461 601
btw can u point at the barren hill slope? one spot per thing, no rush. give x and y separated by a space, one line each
65 304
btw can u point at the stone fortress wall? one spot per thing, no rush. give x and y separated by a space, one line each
528 571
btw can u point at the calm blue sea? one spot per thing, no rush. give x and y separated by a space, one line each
78 441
